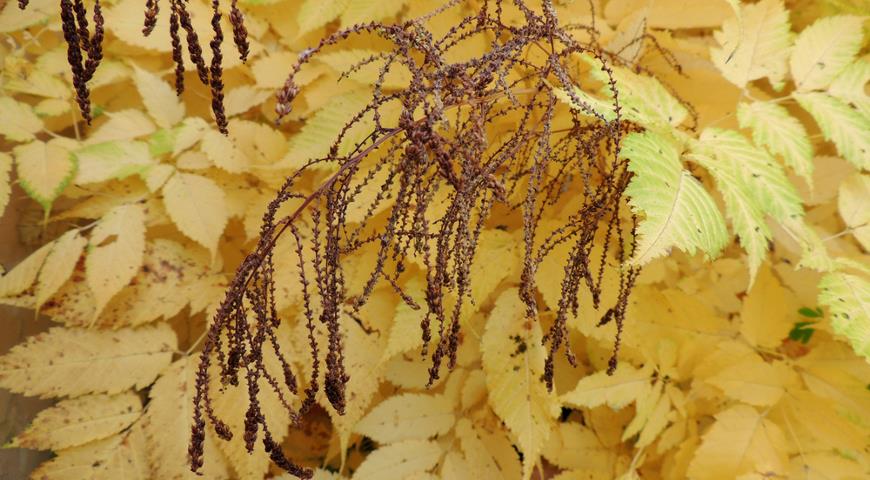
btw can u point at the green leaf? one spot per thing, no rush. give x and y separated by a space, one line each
810 313
678 211
840 124
802 332
780 133
753 185
848 297
112 161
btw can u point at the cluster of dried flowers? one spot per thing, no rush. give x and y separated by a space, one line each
84 51
443 173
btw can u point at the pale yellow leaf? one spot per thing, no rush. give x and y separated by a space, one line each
159 98
399 461
672 14
20 122
854 207
407 417
754 381
823 50
840 124
115 252
342 60
243 98
13 18
316 13
22 276
362 11
197 207
616 391
77 421
573 445
122 125
167 424
513 360
755 44
780 133
45 169
59 264
121 456
740 441
73 362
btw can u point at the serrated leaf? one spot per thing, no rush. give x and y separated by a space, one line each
361 11
22 276
111 161
399 461
840 124
752 184
158 97
243 98
21 123
343 60
780 133
741 441
848 298
59 264
754 381
74 361
755 44
852 203
678 211
167 425
115 252
407 417
513 361
316 13
849 86
80 420
122 125
45 169
119 456
320 130
823 50
197 207
625 386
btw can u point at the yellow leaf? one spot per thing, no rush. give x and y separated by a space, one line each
672 14
626 385
513 360
119 456
271 69
20 122
768 312
740 441
853 207
754 381
755 44
77 421
59 264
361 11
115 252
342 60
243 98
573 445
823 50
316 13
122 125
197 207
158 97
22 276
45 169
73 362
399 460
407 417
167 426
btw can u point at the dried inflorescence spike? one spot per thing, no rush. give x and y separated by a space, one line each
84 51
441 172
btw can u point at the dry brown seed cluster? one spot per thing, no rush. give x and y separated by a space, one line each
441 174
84 51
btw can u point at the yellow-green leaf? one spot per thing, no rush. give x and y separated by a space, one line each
824 49
840 124
45 169
780 133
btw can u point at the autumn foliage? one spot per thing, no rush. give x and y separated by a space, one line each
497 239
